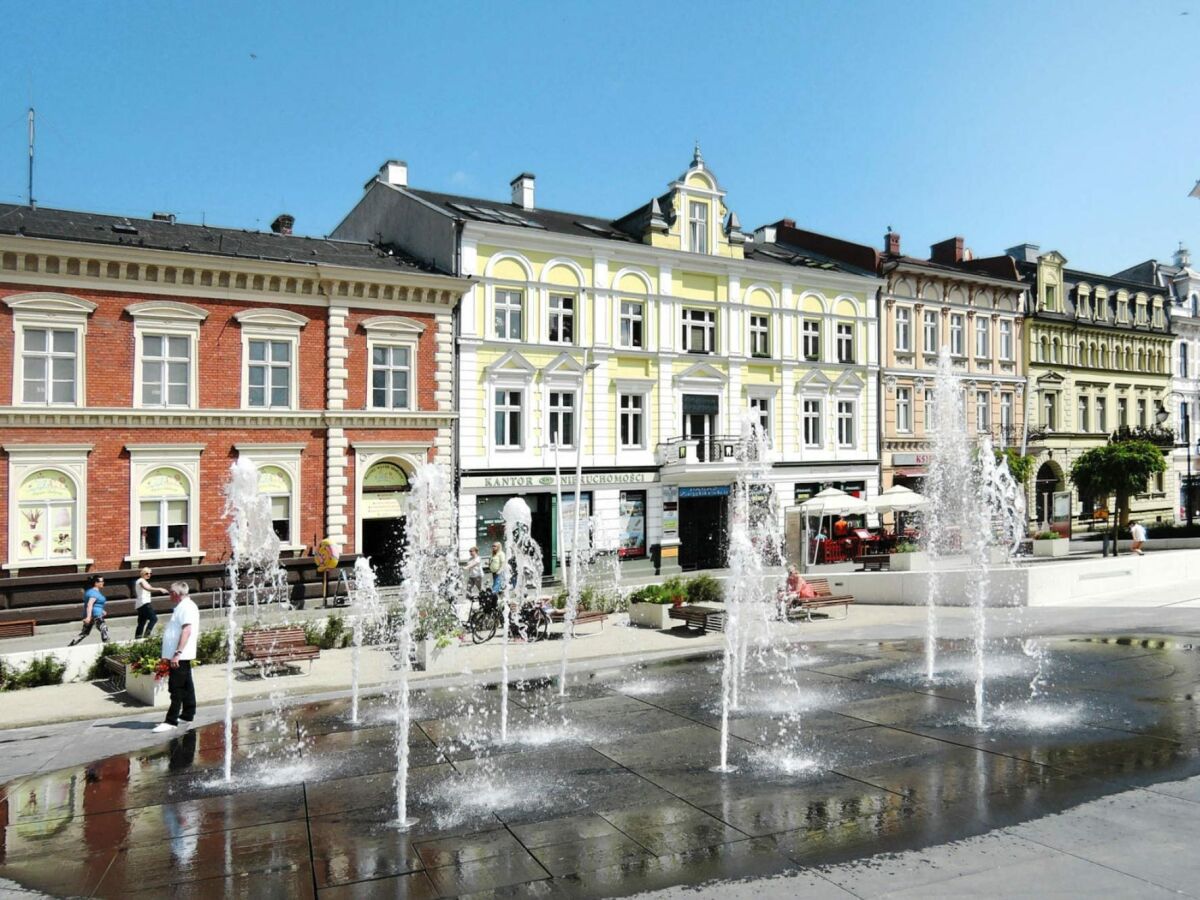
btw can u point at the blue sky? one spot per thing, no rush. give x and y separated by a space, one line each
1072 125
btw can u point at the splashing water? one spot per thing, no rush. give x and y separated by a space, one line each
367 610
525 558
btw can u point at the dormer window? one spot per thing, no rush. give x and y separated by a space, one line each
698 227
1051 297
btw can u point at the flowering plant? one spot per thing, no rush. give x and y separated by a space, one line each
151 665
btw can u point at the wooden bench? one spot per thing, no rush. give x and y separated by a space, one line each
823 598
874 562
17 628
704 618
582 617
116 673
277 648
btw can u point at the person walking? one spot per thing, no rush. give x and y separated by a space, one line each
147 617
474 572
497 565
1137 532
178 651
93 611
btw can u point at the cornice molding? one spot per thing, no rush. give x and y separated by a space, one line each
19 417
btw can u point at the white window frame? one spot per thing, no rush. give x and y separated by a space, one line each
508 308
1083 414
393 331
958 334
813 335
983 337
844 337
847 423
983 412
817 415
56 312
698 226
930 326
929 410
1006 340
637 315
271 325
707 324
903 329
1102 415
288 458
563 315
522 392
760 329
904 417
640 413
159 318
761 405
1008 409
567 442
144 459
23 461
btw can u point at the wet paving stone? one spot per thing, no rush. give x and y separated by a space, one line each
839 752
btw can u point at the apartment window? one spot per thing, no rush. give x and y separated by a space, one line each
391 376
931 331
508 412
903 328
1006 339
1083 424
845 423
1051 297
760 409
1141 413
269 374
1122 412
983 338
760 336
904 409
1184 422
698 226
48 365
1183 360
983 412
958 327
1101 414
811 416
1081 301
632 318
561 425
632 420
562 319
845 342
510 313
1050 411
166 369
1122 310
1054 350
699 330
1006 411
812 340
930 416
163 500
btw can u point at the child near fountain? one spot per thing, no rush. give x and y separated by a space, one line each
93 611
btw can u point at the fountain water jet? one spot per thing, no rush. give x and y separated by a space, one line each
525 556
366 614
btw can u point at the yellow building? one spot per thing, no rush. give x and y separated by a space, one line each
642 342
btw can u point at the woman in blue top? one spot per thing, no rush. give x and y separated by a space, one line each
93 611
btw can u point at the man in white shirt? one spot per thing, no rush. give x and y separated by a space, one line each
178 650
1137 532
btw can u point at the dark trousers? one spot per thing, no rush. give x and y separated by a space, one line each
147 619
183 694
97 622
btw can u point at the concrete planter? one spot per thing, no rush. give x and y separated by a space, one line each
429 656
144 689
908 562
1058 547
650 615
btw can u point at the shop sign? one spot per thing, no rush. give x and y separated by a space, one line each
716 490
383 505
632 511
548 481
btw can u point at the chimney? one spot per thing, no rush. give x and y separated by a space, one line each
163 217
947 252
394 172
283 224
788 223
891 242
522 190
1026 253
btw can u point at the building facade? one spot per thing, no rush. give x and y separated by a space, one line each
140 357
641 343
1099 354
975 309
1182 284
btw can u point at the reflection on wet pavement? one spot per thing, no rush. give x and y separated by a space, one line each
609 791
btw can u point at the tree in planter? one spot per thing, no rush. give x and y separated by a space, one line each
1122 469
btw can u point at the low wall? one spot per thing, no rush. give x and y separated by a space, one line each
1010 587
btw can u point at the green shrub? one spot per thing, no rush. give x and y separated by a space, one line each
38 672
1047 536
907 547
704 589
675 588
650 593
328 634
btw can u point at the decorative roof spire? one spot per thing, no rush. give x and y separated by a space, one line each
697 159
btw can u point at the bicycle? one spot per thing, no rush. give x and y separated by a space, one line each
484 617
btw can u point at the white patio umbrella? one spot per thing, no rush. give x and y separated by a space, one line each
898 498
832 502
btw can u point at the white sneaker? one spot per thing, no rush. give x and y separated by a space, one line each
186 724
163 728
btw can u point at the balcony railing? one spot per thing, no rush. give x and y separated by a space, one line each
712 449
1158 435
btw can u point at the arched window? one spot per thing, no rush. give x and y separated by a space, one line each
1082 359
1054 350
163 498
1045 347
46 512
276 484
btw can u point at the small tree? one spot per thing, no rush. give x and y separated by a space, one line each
1019 466
1122 469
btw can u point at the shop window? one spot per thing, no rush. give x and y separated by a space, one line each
46 517
632 518
163 505
275 484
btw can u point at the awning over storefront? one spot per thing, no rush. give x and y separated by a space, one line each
911 472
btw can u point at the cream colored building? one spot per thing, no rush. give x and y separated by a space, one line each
642 342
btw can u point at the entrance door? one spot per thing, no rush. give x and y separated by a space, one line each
702 523
1046 483
383 544
381 511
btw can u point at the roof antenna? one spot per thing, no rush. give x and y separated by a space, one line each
32 203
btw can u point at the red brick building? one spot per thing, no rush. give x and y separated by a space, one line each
140 357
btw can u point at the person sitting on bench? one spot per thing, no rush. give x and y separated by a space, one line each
793 590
